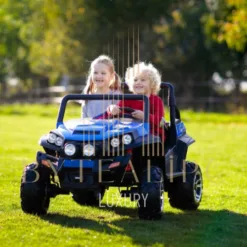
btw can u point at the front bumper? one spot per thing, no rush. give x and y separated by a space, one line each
90 174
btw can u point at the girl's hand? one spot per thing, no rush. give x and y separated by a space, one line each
138 114
113 109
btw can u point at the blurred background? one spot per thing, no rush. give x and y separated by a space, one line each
46 47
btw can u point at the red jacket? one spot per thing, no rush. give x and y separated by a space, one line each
156 112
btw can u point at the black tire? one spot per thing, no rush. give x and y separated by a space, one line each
34 198
87 197
187 195
153 192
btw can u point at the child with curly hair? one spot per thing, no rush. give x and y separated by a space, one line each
143 79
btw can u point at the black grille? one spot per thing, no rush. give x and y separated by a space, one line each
86 132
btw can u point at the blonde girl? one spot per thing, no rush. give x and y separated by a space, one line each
102 79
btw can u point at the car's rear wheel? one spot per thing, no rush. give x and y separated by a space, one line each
87 197
150 205
33 190
187 194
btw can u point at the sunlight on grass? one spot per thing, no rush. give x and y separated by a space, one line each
221 220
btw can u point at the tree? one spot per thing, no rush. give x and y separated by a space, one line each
228 23
12 50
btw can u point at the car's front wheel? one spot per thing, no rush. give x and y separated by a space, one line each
151 203
33 190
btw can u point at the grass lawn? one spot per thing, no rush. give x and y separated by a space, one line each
220 149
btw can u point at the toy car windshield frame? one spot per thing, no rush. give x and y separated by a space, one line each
102 97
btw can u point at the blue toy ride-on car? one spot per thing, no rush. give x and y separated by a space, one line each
89 156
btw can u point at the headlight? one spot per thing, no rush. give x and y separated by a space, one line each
115 142
88 150
127 139
69 149
59 141
52 138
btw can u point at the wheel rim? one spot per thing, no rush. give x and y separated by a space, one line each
197 186
161 197
162 202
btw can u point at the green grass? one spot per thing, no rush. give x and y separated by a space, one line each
221 220
74 109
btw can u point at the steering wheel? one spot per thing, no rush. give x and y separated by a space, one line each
127 109
127 114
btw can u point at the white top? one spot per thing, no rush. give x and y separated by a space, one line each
93 108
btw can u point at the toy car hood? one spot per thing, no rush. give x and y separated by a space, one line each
99 129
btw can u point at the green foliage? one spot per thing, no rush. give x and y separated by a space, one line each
12 49
229 24
234 31
53 51
180 44
49 38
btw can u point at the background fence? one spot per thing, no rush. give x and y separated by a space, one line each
199 96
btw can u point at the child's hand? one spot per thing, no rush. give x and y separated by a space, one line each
138 114
113 109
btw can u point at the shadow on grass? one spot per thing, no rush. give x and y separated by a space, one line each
198 228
